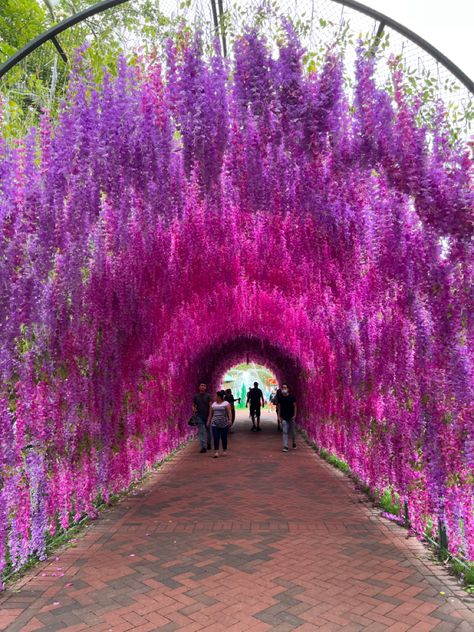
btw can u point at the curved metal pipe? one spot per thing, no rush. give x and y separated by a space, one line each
51 33
411 35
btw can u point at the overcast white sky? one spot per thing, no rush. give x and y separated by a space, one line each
446 24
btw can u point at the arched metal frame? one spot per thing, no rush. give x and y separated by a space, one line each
217 13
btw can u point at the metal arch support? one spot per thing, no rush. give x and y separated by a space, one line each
378 37
51 33
59 48
214 16
222 25
411 35
219 21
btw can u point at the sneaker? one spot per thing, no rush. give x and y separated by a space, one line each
294 446
202 451
285 450
259 429
224 453
216 455
253 429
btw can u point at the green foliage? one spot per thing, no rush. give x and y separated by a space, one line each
468 574
39 82
464 570
390 502
335 461
20 21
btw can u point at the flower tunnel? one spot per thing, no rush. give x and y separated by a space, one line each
175 219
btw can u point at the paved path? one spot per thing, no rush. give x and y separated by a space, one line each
258 540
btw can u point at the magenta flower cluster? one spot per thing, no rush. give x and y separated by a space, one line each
175 219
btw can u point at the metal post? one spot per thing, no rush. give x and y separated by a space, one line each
59 48
406 515
214 16
378 37
442 538
221 19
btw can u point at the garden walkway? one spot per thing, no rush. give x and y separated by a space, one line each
258 541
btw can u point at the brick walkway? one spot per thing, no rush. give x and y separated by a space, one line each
259 540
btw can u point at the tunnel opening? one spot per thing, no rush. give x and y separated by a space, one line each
241 377
211 365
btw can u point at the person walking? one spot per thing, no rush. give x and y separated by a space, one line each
286 411
275 401
229 397
220 419
201 407
255 398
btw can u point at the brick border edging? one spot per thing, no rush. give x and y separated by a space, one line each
143 486
421 555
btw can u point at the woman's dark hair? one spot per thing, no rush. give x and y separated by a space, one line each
221 394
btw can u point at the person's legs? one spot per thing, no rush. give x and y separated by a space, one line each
293 432
224 432
284 424
257 414
202 433
216 435
208 437
252 414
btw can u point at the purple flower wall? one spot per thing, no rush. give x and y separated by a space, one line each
175 219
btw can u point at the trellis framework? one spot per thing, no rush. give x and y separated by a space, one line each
321 22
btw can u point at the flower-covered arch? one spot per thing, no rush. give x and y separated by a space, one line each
175 219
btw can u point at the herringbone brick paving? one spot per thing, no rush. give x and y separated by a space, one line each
259 540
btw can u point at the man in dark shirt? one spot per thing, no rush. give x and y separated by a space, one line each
201 405
255 397
286 411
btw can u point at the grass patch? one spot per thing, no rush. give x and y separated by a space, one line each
468 576
463 570
389 501
338 463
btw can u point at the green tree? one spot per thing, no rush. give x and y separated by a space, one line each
20 21
243 397
39 81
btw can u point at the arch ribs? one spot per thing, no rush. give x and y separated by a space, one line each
104 5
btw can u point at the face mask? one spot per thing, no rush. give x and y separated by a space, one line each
284 391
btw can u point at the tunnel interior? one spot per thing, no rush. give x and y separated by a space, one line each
175 219
213 363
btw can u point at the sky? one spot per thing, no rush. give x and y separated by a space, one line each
447 25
